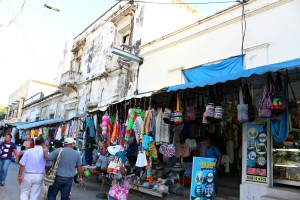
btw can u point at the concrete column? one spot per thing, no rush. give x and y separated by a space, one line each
20 108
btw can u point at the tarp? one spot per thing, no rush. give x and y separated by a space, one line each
30 125
234 75
204 72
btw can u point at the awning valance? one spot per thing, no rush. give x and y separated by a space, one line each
233 75
40 123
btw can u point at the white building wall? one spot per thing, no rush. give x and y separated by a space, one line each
36 87
162 19
273 35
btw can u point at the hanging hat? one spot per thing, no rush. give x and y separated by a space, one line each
177 167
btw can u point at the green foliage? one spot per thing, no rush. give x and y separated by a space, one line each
2 112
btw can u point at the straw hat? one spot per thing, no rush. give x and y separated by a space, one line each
177 167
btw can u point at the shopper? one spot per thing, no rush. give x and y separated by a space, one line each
213 152
7 148
69 160
33 164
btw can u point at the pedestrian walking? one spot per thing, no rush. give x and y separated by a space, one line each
213 152
7 148
33 164
69 160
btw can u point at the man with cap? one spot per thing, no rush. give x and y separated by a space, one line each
69 160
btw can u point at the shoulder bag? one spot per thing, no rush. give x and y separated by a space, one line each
50 177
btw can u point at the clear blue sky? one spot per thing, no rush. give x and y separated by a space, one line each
47 32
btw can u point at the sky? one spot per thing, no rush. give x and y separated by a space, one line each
32 47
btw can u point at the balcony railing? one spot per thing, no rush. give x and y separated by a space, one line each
70 77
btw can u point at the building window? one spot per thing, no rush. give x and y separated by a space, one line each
51 116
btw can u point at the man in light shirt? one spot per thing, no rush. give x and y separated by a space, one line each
33 164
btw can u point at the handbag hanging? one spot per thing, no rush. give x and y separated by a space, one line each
280 128
248 100
189 107
178 117
265 103
277 96
242 108
293 105
50 177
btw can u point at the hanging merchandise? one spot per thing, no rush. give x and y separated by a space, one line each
218 112
178 117
280 128
141 160
116 131
104 124
167 115
293 105
265 103
233 108
167 150
91 125
248 100
242 108
209 113
190 108
277 96
199 109
114 149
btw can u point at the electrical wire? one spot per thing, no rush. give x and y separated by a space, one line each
244 27
16 15
175 3
27 41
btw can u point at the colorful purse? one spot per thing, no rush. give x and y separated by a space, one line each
265 103
277 96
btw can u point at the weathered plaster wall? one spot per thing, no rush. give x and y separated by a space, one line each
43 109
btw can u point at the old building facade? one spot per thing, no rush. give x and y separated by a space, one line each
96 77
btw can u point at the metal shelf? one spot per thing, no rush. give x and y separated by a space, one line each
290 150
287 182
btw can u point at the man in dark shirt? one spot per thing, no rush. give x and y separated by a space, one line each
7 148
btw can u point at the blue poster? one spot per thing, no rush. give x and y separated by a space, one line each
256 152
203 178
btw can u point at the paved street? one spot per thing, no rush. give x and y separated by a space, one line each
11 190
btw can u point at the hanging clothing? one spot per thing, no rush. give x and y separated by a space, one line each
58 134
182 150
162 134
90 124
137 127
73 129
230 151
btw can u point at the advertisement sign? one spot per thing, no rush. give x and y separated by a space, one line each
256 152
203 178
